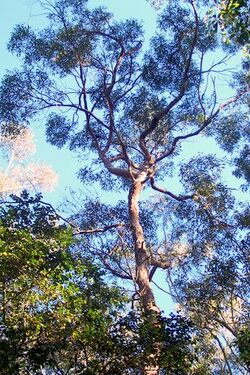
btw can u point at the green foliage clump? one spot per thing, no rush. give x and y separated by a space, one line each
53 302
243 343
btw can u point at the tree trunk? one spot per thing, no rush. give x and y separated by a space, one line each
142 259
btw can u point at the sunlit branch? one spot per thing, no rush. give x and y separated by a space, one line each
106 161
179 198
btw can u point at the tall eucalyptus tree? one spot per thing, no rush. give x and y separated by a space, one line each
128 111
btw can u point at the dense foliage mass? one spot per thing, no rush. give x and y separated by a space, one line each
52 301
57 313
129 111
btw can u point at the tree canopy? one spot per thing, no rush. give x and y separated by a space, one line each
130 110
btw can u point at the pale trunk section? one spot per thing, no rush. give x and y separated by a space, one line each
142 263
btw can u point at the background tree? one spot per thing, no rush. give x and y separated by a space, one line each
17 145
129 116
233 19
